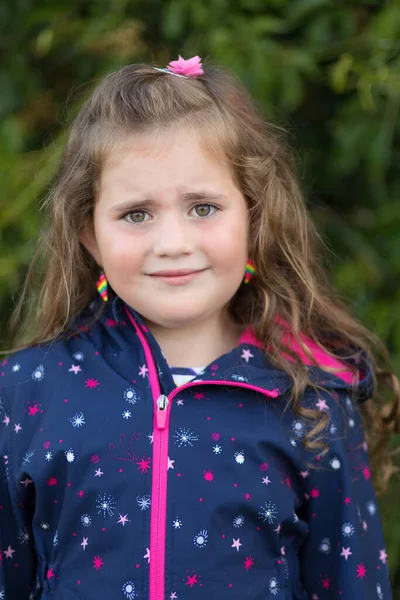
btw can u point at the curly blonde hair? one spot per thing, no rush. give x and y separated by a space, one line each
290 279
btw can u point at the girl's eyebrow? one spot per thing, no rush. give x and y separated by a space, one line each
186 197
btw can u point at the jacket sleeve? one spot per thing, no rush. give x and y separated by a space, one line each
344 555
17 554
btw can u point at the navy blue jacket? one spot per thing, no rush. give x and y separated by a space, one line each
116 484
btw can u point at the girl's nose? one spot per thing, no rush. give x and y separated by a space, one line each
173 237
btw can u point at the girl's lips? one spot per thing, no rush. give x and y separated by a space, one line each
177 277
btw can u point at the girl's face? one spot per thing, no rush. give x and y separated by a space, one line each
170 229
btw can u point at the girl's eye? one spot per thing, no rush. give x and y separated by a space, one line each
139 216
205 210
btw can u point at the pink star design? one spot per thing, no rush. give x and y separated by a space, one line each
321 404
123 519
347 500
84 542
246 355
6 420
382 556
179 402
277 530
75 369
32 410
346 552
199 395
236 544
144 464
9 552
50 573
92 383
191 580
361 571
304 474
97 562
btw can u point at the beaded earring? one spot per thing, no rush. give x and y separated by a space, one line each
250 270
102 286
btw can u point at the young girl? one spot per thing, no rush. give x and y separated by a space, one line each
193 430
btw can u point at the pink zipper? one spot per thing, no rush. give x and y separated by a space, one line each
162 411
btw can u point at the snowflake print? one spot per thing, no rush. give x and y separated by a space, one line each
23 536
201 539
332 429
268 513
27 457
86 520
185 437
176 523
371 507
347 529
239 378
325 546
239 457
349 404
335 463
143 502
217 449
69 455
126 414
238 521
273 586
130 396
48 456
78 420
15 368
129 590
78 356
378 591
298 428
105 504
38 373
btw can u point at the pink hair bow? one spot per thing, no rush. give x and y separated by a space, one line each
189 68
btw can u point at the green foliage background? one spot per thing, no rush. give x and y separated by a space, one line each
327 70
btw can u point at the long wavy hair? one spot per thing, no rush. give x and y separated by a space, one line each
290 279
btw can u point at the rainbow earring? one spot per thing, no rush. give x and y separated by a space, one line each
250 270
102 286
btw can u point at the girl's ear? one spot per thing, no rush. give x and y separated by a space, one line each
88 239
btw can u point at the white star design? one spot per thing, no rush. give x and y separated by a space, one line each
277 530
98 473
246 355
173 596
346 552
75 369
143 370
266 480
179 402
321 404
17 428
304 474
170 464
9 552
383 556
123 519
147 555
84 542
6 420
236 544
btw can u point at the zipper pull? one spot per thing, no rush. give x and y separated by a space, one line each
161 414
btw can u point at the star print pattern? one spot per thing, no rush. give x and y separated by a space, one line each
77 429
